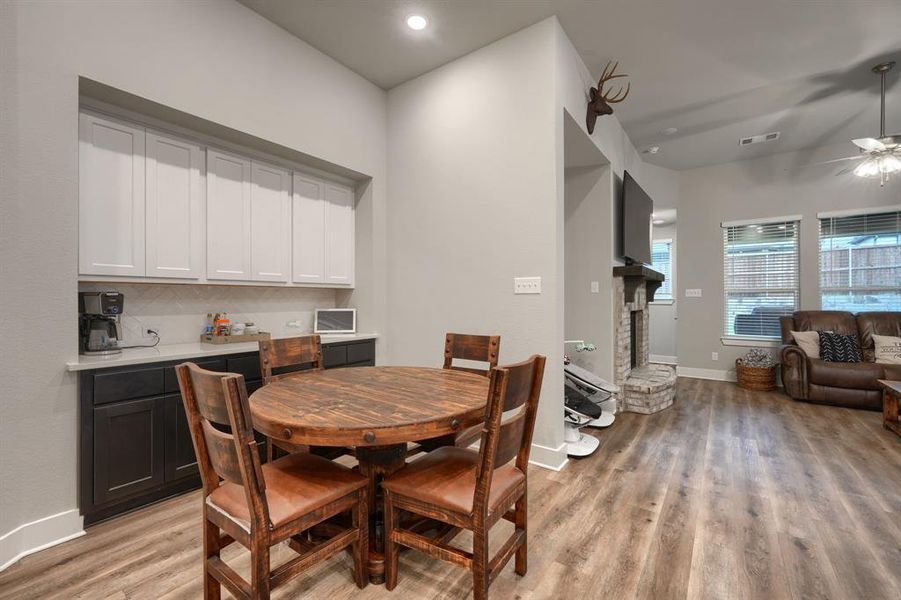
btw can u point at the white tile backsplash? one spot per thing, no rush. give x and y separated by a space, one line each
179 311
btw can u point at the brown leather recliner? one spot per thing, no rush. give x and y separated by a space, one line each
854 385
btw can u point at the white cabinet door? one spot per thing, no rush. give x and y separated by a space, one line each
270 223
174 207
110 197
228 247
308 216
339 235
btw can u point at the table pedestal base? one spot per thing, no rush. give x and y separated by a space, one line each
376 462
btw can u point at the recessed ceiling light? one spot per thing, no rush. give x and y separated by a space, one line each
417 22
670 131
652 150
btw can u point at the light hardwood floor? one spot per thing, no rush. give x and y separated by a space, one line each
729 494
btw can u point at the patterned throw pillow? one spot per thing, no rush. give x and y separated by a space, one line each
837 347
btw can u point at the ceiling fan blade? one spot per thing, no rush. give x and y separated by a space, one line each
869 144
829 162
845 170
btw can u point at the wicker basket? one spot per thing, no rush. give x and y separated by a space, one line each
761 379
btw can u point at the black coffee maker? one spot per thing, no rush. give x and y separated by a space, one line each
98 322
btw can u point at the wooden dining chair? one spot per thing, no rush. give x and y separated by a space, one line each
262 505
288 357
481 348
469 489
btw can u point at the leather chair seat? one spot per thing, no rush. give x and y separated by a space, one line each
295 486
859 376
446 478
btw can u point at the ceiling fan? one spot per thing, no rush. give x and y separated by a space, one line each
879 157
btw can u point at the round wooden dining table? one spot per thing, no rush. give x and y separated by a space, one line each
375 410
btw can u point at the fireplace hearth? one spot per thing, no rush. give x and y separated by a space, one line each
646 388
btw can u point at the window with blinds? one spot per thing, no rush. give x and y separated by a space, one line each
860 262
662 262
760 272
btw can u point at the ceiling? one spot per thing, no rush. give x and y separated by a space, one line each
716 70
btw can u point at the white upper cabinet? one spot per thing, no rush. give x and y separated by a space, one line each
174 207
110 197
309 230
339 235
227 217
270 218
156 206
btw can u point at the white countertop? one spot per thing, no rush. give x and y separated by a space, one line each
139 356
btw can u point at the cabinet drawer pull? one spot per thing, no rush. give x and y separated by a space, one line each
369 437
455 423
286 433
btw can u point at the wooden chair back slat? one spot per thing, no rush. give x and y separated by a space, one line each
513 387
509 439
303 351
210 396
229 455
223 454
461 346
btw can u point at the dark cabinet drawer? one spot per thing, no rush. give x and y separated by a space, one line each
334 355
128 453
125 385
170 379
248 366
362 352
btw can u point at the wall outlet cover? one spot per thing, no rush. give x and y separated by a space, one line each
595 287
693 293
714 356
527 285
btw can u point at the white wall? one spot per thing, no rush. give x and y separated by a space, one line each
473 205
765 187
662 314
588 315
216 60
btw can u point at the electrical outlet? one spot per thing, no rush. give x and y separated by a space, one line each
527 285
293 325
595 287
714 356
693 293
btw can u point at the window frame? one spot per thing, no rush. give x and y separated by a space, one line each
672 272
842 214
752 340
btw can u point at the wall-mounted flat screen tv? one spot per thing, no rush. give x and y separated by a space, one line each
635 213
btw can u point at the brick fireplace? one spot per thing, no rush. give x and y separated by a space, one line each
646 388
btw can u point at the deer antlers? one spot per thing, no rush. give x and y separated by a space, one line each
600 101
621 94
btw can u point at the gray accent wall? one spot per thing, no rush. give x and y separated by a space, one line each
764 187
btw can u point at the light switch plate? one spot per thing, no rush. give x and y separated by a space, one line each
693 293
595 287
527 285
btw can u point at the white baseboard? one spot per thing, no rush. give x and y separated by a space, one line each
29 538
662 359
714 374
548 458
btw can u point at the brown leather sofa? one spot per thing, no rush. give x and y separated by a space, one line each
841 384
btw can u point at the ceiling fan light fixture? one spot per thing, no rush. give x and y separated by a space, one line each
868 168
890 164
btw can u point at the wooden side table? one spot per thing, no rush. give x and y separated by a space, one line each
891 392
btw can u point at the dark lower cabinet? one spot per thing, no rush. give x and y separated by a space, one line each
179 448
136 445
128 455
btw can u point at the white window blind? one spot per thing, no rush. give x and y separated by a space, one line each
760 273
860 262
662 262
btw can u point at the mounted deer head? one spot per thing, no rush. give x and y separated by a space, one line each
600 101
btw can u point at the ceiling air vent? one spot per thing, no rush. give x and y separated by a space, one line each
759 139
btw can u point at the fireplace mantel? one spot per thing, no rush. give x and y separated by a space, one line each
636 275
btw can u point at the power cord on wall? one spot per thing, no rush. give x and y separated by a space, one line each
156 340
